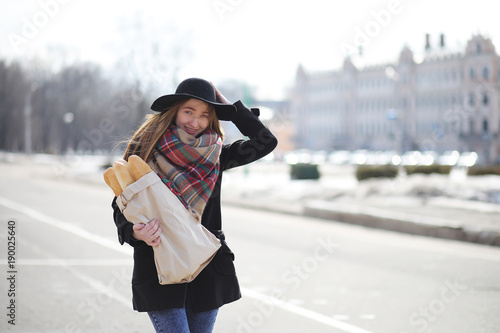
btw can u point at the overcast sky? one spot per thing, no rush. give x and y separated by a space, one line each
258 41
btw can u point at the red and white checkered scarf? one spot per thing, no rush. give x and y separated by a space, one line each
188 165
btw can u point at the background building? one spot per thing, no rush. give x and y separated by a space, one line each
448 101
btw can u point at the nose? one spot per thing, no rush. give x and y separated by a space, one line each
193 122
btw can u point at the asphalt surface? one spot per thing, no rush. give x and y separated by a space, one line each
297 273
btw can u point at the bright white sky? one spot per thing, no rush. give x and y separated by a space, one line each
257 41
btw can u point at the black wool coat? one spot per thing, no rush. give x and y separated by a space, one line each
217 284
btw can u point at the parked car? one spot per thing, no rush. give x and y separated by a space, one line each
388 157
359 157
298 156
412 157
428 157
467 159
339 157
318 157
449 157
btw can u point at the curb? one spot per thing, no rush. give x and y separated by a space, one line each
401 222
377 218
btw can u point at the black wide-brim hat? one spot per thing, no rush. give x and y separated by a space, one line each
199 89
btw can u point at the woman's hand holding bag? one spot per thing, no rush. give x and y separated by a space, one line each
184 246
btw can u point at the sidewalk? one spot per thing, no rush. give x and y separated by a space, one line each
414 205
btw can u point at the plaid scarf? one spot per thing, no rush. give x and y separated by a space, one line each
188 165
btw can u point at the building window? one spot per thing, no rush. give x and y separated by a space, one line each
485 126
486 73
471 99
471 73
485 99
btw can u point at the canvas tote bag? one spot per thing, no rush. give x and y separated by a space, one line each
186 246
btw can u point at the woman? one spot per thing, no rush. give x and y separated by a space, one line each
196 107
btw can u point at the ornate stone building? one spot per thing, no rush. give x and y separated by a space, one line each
448 101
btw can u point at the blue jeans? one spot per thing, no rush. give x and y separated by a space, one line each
183 320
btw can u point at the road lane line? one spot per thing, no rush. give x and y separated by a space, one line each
101 287
97 285
300 311
109 289
73 262
65 226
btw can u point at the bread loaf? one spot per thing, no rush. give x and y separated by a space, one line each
123 173
138 166
121 160
112 181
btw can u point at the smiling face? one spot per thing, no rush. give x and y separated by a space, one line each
193 116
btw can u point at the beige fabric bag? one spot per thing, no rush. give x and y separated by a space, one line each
186 245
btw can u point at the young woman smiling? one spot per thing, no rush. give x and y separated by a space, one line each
186 135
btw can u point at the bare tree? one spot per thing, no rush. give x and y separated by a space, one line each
13 91
77 107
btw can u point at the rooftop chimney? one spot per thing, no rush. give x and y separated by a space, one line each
441 41
427 42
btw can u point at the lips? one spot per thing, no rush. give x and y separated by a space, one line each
190 130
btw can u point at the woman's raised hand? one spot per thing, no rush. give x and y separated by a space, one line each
219 98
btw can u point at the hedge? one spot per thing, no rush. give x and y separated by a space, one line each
484 170
376 171
304 171
428 169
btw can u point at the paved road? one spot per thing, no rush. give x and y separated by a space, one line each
297 274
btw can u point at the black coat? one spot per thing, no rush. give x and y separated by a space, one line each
217 284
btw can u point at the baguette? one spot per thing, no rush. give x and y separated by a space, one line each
123 173
138 167
112 181
121 160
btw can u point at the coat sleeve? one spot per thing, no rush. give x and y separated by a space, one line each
260 140
124 227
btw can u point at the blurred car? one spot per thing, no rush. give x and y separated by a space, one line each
298 156
467 159
428 158
359 157
412 157
318 157
339 157
386 158
449 157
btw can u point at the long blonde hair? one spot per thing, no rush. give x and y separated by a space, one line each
149 133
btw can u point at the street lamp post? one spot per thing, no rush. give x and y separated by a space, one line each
394 115
27 124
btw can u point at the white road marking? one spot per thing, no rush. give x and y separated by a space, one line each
368 316
65 226
92 282
117 280
72 262
295 309
97 285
